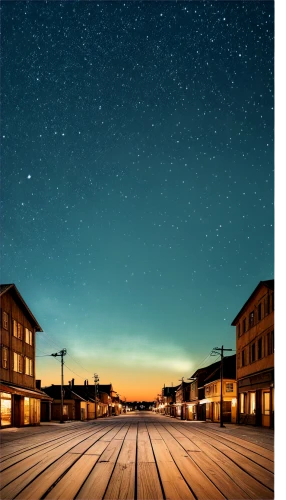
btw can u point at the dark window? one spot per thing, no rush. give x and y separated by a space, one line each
251 319
259 312
243 358
238 330
253 352
272 340
244 325
259 348
272 302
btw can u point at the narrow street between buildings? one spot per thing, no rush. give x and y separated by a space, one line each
140 456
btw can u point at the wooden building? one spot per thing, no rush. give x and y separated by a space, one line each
204 400
20 399
255 357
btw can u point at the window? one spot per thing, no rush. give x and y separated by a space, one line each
273 340
270 343
242 402
243 358
229 387
244 326
5 405
259 348
5 322
272 302
15 328
252 405
18 363
29 366
252 352
238 330
20 331
4 357
28 336
266 403
251 319
259 312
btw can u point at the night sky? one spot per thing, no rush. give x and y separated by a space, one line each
137 180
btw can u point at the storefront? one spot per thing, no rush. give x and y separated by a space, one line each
19 406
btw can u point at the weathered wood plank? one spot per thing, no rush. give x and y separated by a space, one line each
148 484
69 485
96 483
122 483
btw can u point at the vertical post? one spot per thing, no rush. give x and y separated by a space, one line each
221 392
62 387
96 380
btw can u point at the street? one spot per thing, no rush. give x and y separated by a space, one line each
140 456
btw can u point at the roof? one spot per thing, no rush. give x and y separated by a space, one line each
212 372
170 391
16 294
268 284
54 391
23 391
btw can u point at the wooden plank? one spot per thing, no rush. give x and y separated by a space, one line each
111 453
144 451
173 483
96 483
22 482
97 448
256 454
132 432
236 475
153 432
148 484
69 485
199 483
122 482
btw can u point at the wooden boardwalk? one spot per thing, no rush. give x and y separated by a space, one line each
140 456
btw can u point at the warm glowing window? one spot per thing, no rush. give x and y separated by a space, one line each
242 403
18 363
4 357
252 405
26 411
29 366
17 329
28 336
20 331
266 403
5 404
5 320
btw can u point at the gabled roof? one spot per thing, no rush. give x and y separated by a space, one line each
19 299
170 391
268 284
229 369
54 391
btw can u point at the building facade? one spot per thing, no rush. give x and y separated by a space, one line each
20 399
255 357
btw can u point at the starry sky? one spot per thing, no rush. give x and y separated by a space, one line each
137 196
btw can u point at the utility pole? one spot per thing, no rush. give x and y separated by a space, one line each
220 350
182 385
61 353
96 380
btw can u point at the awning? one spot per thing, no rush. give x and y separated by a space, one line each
22 391
204 401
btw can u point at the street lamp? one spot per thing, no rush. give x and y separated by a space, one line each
61 353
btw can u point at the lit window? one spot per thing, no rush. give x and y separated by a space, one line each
242 401
20 331
5 322
252 405
18 363
28 336
266 403
4 357
29 366
15 328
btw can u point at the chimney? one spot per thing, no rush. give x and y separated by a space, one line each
72 382
38 384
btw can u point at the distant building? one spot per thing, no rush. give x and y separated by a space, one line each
79 401
255 357
20 399
205 391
